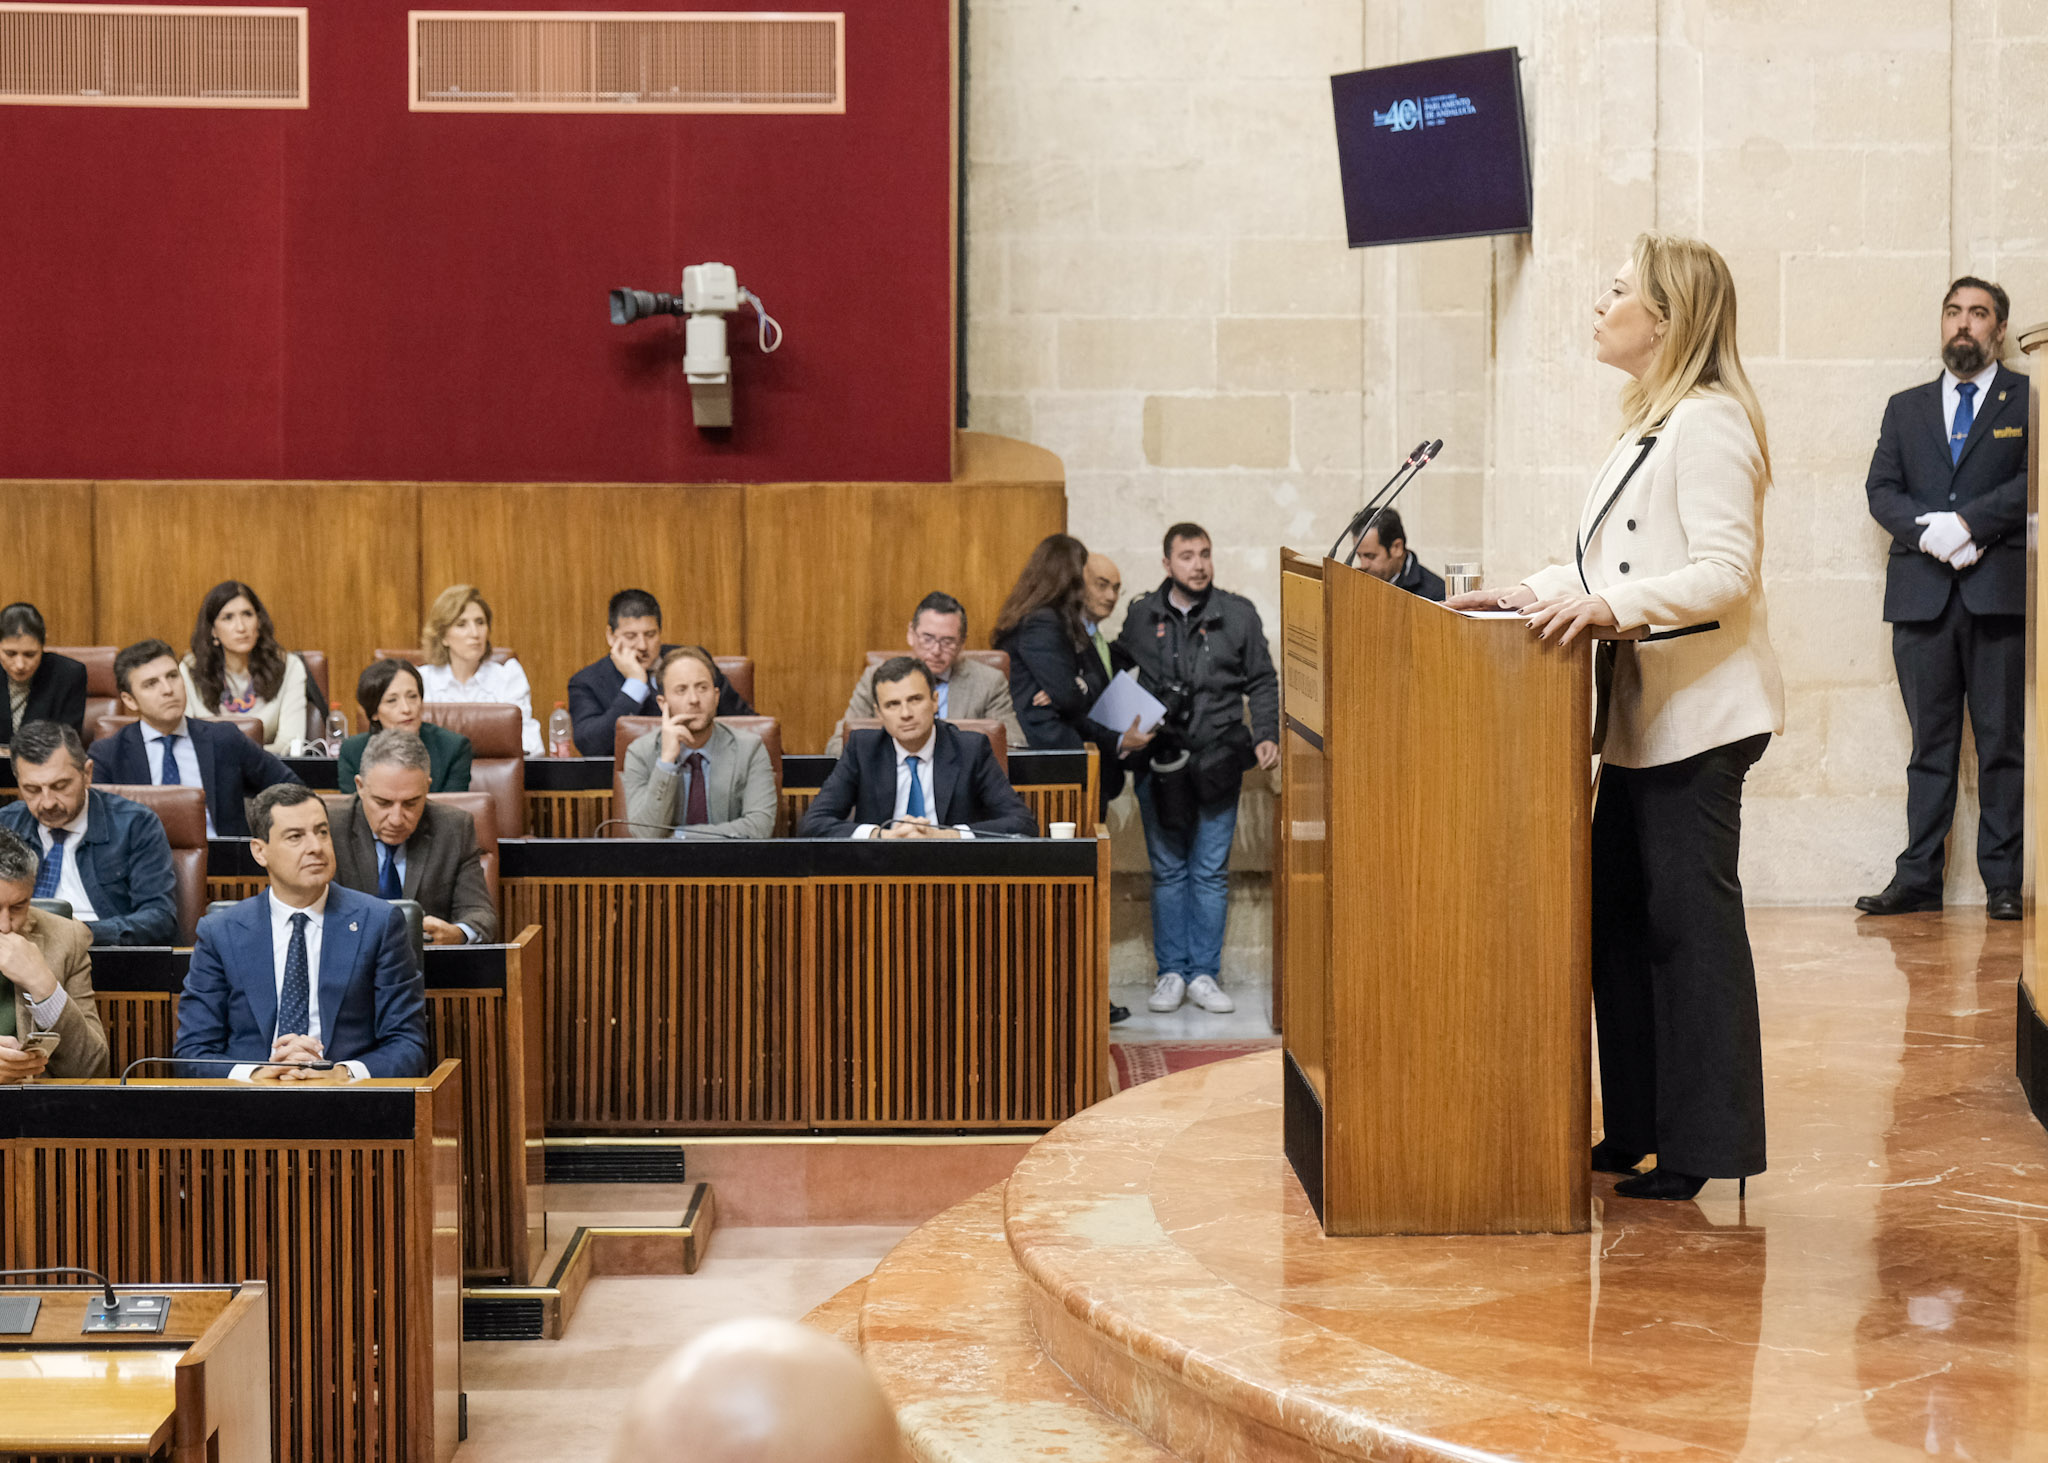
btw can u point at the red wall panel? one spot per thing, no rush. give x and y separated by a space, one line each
361 291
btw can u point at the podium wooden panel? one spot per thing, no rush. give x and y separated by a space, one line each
1434 930
345 1200
196 1392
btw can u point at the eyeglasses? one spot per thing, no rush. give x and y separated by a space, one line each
937 642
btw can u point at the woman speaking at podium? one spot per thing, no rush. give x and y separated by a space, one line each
1667 570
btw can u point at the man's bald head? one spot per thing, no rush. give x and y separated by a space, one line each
1102 585
760 1391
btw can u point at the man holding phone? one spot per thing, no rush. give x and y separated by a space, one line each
49 1023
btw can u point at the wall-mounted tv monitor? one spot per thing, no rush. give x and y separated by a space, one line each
1433 149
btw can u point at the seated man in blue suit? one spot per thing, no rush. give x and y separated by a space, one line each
307 971
167 748
918 777
104 855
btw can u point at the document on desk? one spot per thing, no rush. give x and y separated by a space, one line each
1491 614
1124 699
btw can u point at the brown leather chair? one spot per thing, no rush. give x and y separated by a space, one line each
1000 659
632 728
498 766
316 667
102 696
499 653
479 805
998 735
106 726
183 812
738 671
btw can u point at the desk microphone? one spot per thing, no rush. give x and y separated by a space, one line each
1410 464
979 836
106 1285
666 827
1428 456
218 1062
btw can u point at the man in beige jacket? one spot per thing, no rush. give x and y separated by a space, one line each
47 962
967 689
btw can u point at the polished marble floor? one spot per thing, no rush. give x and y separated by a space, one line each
1882 1293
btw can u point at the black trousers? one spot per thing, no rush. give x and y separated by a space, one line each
1944 664
1674 987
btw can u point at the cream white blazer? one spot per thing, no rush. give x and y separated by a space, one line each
1681 546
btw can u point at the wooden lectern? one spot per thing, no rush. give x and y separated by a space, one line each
1431 912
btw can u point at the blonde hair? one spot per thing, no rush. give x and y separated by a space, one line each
1687 284
446 610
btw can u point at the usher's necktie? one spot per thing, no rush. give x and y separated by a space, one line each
1960 432
294 998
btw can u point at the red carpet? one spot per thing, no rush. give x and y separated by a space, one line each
1132 1062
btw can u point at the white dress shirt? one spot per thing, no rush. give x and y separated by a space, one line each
70 887
491 682
924 778
280 943
1951 398
184 754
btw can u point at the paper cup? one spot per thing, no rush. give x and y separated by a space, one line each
1063 830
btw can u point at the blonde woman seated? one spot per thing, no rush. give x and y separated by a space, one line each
237 668
693 776
457 642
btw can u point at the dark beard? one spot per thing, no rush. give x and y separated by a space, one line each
1966 356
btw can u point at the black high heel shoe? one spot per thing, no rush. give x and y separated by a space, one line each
1613 1158
1660 1183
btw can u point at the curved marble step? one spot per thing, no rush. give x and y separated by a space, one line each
943 1325
839 1317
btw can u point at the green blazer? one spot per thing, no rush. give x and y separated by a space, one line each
450 754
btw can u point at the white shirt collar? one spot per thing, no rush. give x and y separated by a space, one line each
151 734
76 827
925 751
281 913
1950 380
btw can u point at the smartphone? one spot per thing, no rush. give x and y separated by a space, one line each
41 1041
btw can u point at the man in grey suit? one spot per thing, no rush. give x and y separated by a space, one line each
389 840
968 690
693 776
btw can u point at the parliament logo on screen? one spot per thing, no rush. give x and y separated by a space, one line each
1404 116
1412 112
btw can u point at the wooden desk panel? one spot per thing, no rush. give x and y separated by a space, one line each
73 1403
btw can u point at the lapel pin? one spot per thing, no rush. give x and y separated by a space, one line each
351 926
2001 396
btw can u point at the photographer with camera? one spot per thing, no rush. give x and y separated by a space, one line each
1202 651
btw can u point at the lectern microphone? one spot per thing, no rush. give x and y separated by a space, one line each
1410 465
106 1285
1425 457
219 1062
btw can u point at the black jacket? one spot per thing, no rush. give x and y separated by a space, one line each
1418 580
967 785
56 692
231 767
1911 474
1218 651
1042 658
597 699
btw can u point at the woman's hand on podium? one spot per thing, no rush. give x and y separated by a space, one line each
1515 597
1568 615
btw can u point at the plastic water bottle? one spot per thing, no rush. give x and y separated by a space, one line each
337 731
561 734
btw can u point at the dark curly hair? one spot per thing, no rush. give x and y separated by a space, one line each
209 661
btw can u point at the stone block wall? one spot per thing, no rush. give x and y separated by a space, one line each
1161 293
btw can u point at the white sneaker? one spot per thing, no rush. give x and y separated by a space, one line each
1204 992
1167 993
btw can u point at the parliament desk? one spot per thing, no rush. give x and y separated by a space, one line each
483 1009
817 985
344 1199
196 1392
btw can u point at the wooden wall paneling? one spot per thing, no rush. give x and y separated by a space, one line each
575 814
433 1299
548 556
835 569
336 563
48 553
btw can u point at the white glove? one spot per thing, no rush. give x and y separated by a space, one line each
1965 556
1945 534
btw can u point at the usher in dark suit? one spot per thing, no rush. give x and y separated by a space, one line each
56 692
597 699
1958 636
967 786
231 768
1042 658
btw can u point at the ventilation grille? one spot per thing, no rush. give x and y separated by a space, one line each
647 61
152 56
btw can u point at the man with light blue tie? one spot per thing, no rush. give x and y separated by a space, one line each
307 971
1949 483
165 747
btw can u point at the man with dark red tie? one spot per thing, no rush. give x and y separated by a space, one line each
1949 483
694 776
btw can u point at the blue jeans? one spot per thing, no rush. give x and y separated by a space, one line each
1190 886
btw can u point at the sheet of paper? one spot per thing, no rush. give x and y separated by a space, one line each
1124 699
1489 614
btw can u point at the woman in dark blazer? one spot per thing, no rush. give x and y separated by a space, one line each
1055 675
392 695
40 686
